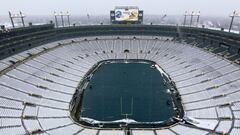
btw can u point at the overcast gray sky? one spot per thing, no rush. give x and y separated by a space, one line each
101 7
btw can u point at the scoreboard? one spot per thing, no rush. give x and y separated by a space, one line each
126 15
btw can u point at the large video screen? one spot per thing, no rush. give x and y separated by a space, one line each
126 14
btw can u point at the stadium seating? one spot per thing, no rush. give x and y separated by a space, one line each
36 85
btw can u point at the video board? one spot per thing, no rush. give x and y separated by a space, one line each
126 14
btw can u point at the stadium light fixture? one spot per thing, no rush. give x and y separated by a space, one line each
56 20
191 18
233 15
22 16
17 16
198 17
62 15
192 14
68 14
185 17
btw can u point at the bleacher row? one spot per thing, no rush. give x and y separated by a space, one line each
36 86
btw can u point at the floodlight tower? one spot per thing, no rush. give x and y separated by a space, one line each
235 14
16 16
10 16
191 18
185 17
62 15
198 17
67 14
22 16
193 14
56 20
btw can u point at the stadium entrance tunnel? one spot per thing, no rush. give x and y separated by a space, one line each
126 94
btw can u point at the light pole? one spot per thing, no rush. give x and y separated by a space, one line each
235 14
185 17
192 14
191 18
198 17
62 15
10 16
22 16
16 16
67 14
56 20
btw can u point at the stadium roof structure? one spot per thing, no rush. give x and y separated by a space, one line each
37 83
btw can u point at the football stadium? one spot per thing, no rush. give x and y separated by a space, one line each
123 78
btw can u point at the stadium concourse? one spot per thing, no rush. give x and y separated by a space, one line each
37 85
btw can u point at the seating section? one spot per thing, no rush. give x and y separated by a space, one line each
16 40
36 86
229 52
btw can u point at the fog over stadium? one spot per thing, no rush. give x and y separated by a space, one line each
102 7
